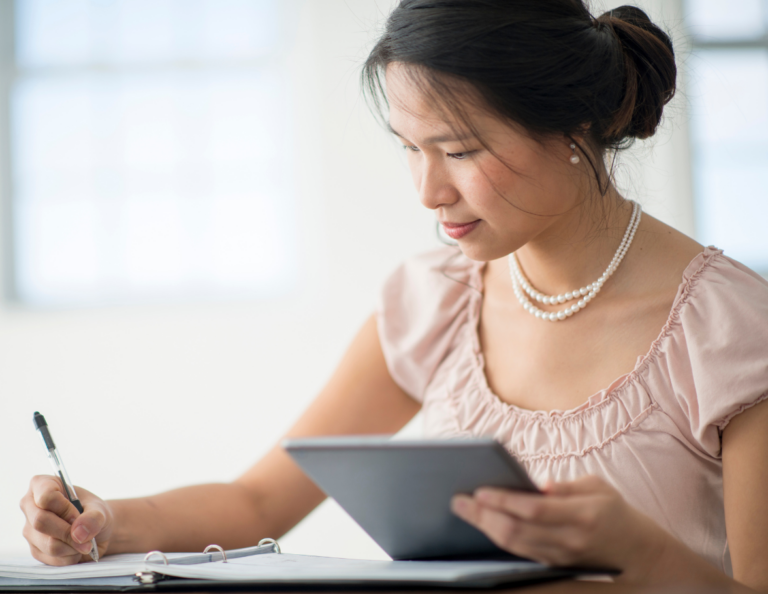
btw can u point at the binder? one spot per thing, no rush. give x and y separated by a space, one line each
265 566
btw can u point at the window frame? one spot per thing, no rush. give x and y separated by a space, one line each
7 77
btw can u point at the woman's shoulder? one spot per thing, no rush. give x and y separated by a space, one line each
723 290
703 277
714 354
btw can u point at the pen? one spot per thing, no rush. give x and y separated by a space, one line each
58 466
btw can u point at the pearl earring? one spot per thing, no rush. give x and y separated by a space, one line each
574 157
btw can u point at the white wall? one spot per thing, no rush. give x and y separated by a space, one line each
657 171
143 399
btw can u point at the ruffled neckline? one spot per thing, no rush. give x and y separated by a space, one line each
617 387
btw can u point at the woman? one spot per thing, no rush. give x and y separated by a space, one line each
624 364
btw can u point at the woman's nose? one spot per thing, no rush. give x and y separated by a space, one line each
435 187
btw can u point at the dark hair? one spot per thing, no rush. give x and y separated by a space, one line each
547 65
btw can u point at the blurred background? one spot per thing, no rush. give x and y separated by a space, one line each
198 210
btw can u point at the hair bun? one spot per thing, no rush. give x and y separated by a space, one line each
649 73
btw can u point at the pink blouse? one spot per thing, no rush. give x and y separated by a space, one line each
654 433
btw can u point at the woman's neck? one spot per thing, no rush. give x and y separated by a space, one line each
576 249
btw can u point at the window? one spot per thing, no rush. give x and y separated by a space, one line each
150 151
728 92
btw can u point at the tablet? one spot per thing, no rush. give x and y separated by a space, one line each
400 491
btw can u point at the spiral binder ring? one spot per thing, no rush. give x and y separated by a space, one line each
149 555
151 577
218 548
271 541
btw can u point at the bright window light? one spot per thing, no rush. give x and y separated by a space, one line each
727 76
730 123
716 19
150 152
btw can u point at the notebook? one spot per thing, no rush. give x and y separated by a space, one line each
261 566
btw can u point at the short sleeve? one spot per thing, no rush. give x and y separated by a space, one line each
724 322
421 311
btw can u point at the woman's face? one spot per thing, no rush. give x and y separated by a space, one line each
490 207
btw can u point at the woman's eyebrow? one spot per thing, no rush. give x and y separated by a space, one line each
435 139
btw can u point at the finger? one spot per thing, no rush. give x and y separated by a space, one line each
553 545
48 494
48 545
52 559
42 524
513 534
52 545
47 523
89 524
530 507
93 520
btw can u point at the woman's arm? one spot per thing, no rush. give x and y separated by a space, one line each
745 487
266 501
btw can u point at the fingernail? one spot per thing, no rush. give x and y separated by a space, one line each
81 535
459 506
482 495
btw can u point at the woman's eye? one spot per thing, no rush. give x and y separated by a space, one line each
460 156
411 147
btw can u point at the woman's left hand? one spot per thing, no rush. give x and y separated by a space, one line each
584 523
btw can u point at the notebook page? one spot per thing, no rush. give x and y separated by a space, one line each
25 567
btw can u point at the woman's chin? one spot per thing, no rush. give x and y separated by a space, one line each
479 253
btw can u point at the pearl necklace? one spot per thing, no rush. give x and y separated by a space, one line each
523 288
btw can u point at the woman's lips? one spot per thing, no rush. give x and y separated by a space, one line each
457 231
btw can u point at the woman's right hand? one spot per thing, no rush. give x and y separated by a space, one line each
56 532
